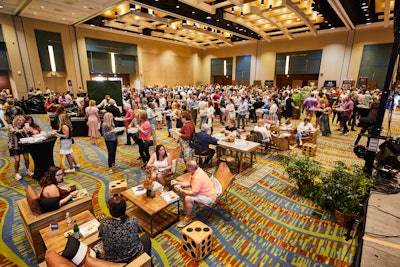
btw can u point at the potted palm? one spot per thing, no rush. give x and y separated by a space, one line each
304 171
343 191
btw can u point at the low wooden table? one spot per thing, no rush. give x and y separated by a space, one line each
151 212
55 240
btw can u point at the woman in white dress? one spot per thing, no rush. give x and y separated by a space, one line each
230 110
210 114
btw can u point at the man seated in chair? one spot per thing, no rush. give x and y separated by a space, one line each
201 190
205 139
303 130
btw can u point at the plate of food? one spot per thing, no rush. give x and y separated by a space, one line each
68 233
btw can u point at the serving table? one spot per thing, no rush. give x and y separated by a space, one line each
242 147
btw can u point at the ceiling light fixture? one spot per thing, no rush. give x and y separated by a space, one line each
1 6
270 7
208 17
262 2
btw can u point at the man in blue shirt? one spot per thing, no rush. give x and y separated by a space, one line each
205 139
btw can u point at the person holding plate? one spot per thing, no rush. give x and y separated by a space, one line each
110 135
160 163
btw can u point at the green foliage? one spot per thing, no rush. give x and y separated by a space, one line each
303 170
344 188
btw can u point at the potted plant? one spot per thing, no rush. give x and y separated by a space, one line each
343 191
304 171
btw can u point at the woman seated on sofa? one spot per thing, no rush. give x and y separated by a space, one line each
160 163
120 234
49 184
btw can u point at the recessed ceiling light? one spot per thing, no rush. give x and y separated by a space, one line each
41 7
367 15
34 13
193 12
92 25
1 6
177 6
208 17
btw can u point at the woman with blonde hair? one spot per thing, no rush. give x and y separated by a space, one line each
16 131
65 134
110 137
92 114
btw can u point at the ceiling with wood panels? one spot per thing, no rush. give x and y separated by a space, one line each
210 23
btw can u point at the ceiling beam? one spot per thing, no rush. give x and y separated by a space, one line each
199 4
274 21
342 14
171 36
300 14
244 23
214 35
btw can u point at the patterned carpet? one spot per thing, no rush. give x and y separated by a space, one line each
271 224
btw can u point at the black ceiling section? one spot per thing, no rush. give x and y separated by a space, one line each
331 19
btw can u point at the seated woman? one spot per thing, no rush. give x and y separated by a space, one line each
160 163
230 127
49 184
33 127
120 234
262 128
303 130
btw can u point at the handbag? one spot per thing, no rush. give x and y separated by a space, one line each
148 143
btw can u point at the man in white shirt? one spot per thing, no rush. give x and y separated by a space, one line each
303 130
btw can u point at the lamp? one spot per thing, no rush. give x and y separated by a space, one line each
52 59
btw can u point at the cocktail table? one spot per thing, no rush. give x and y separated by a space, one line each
55 240
151 213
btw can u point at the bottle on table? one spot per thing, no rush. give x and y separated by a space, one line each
68 218
76 230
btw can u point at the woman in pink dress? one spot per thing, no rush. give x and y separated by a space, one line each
92 114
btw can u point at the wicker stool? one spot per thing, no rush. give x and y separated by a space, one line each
117 186
310 149
197 240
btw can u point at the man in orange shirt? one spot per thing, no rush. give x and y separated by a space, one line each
201 189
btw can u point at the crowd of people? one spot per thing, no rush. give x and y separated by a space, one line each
185 108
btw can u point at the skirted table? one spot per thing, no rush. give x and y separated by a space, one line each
42 155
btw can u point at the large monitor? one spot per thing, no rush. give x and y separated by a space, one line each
98 89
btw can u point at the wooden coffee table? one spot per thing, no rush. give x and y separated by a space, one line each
55 240
151 213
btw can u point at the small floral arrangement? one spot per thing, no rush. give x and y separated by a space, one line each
148 184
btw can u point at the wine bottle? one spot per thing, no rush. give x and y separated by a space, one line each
76 230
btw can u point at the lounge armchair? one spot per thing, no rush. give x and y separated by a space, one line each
33 222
